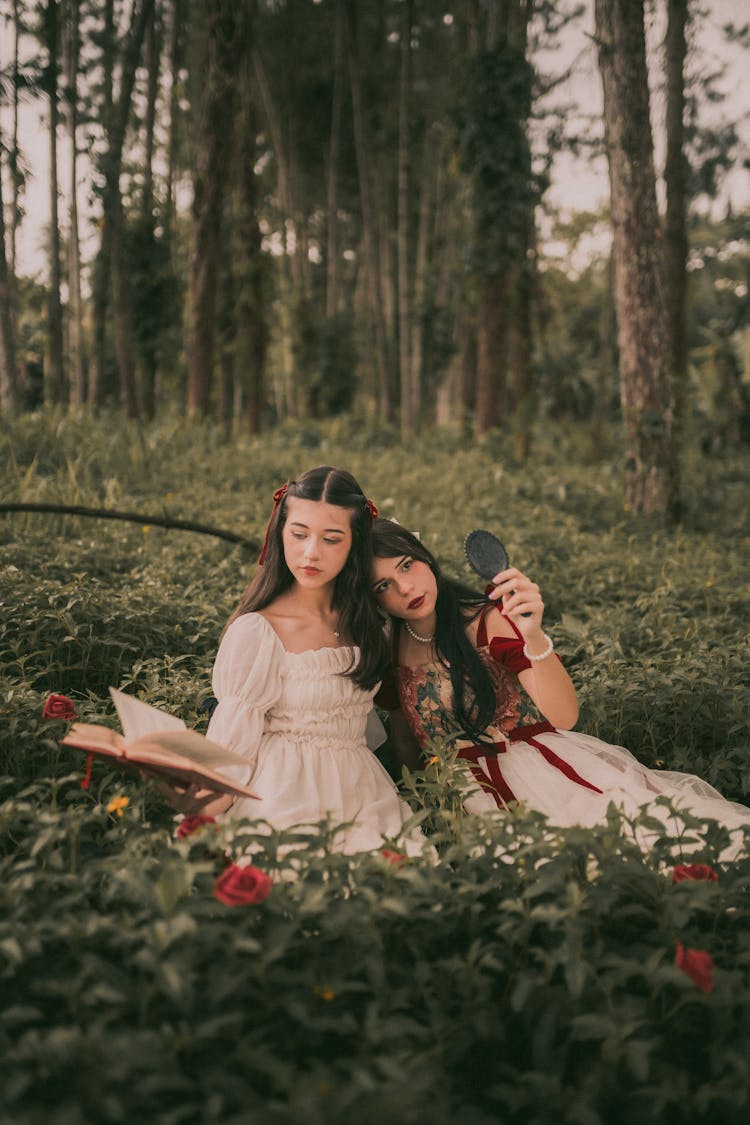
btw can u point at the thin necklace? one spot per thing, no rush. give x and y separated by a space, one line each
422 640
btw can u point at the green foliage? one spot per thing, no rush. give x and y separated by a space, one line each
491 118
527 976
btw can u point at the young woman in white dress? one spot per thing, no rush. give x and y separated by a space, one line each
296 671
465 666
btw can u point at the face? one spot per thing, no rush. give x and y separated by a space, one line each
316 538
405 587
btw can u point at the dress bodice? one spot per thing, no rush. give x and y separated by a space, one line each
317 701
426 693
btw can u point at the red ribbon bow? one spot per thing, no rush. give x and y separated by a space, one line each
372 509
278 496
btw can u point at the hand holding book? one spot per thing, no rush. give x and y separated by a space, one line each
158 744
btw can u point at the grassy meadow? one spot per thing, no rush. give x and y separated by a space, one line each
529 976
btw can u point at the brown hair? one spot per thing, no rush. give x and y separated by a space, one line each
359 617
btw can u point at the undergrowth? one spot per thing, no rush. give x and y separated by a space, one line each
528 976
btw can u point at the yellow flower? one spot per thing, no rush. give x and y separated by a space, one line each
325 993
431 761
710 582
627 508
117 804
146 528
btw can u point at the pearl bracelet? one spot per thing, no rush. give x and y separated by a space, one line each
540 655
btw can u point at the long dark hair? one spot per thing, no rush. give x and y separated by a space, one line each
359 617
474 700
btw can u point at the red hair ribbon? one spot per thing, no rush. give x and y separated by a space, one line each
278 496
372 509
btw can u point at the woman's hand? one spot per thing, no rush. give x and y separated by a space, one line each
522 603
193 799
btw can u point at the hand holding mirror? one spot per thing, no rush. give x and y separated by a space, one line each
486 555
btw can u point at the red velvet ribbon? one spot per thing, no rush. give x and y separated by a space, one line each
278 496
495 784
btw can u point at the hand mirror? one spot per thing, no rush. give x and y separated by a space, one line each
485 553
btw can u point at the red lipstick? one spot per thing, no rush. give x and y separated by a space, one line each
416 603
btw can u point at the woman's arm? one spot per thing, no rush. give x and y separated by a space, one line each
546 681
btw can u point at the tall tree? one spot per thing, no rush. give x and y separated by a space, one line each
76 335
115 115
651 483
371 251
148 327
675 230
494 144
54 390
8 364
409 392
332 171
225 43
251 269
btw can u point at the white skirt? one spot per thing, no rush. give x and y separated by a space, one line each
573 778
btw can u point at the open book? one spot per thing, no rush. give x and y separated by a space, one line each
155 742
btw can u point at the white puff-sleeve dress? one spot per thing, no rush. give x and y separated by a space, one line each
300 725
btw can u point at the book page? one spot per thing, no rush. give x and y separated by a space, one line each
138 718
188 744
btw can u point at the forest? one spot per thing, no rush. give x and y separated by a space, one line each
268 211
287 233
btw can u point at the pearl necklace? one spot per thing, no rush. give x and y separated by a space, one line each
422 640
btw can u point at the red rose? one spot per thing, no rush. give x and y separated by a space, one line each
58 707
392 857
697 964
191 824
242 886
685 871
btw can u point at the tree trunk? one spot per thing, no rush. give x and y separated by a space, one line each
421 266
175 63
650 468
226 324
251 278
213 140
334 146
54 375
492 340
123 314
676 241
8 363
147 351
77 339
607 362
499 82
521 398
408 390
15 178
115 119
370 248
293 286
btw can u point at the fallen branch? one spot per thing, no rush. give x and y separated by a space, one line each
133 517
